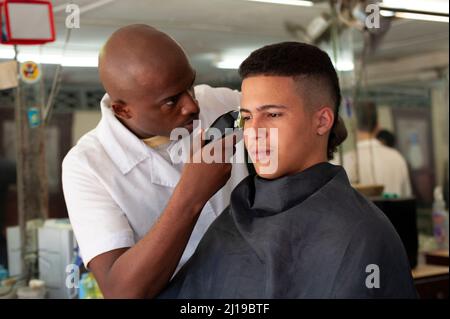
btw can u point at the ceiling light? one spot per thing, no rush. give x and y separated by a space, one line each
230 63
288 2
419 16
436 6
387 13
71 59
345 66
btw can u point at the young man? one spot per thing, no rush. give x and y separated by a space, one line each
300 230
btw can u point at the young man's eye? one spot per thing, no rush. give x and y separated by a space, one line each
245 118
273 115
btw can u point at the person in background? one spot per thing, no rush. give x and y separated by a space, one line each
374 163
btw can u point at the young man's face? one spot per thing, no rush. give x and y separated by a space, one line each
301 128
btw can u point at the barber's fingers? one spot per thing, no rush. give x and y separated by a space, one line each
231 140
202 137
196 141
239 135
226 146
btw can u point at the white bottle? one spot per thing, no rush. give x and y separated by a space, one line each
440 219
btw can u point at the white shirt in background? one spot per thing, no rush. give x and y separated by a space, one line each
379 164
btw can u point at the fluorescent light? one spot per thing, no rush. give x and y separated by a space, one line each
345 66
234 63
42 59
438 6
414 16
230 63
387 13
288 2
343 57
71 59
6 54
419 16
80 61
232 59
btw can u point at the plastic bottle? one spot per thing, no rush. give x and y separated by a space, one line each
3 274
89 288
440 219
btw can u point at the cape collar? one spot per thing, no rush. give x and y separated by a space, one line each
259 197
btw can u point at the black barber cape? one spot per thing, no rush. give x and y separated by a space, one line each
308 235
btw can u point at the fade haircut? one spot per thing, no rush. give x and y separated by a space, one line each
300 61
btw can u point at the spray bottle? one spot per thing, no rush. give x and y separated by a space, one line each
440 219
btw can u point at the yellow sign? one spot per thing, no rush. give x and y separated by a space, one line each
30 72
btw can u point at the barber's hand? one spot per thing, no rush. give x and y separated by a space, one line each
205 174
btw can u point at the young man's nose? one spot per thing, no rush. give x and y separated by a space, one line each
257 129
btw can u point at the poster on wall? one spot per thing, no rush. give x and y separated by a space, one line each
413 127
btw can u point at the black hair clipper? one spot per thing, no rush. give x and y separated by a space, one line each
226 124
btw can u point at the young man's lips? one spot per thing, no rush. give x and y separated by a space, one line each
263 154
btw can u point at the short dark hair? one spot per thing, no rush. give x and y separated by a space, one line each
297 60
387 138
366 116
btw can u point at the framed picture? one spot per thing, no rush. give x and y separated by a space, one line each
414 141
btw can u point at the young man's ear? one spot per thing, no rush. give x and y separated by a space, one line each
121 110
324 120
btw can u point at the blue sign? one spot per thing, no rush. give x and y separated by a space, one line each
34 117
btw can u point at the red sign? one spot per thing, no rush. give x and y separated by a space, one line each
28 22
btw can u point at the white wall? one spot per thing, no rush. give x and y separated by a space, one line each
385 120
83 122
439 118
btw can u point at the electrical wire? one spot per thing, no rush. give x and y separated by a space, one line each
56 85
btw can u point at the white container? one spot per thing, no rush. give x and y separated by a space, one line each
440 219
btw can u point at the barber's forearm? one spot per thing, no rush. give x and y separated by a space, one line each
145 269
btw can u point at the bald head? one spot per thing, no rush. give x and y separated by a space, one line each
149 81
135 56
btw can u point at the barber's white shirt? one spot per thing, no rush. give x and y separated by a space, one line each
379 164
116 187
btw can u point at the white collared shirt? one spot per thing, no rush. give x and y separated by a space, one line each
116 187
379 164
